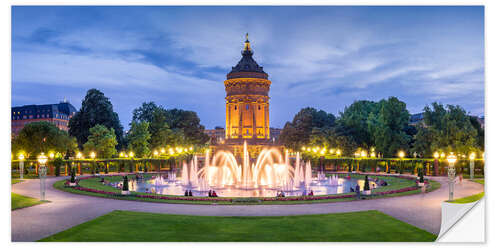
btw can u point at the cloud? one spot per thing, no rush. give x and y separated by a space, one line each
322 56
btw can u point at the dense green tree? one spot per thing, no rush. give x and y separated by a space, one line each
298 133
37 137
96 109
333 137
356 119
184 125
138 139
102 141
387 128
189 123
447 129
480 132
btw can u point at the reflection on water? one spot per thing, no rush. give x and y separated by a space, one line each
162 184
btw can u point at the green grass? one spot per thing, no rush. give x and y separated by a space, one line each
480 181
120 226
94 183
21 201
468 199
14 181
433 186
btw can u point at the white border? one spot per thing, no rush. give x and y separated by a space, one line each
492 27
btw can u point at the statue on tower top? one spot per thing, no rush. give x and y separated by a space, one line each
247 44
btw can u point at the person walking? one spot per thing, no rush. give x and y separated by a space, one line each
358 193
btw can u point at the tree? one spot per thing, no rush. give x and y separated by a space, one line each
96 109
387 129
184 126
480 132
38 137
189 123
298 133
138 139
102 141
446 129
356 118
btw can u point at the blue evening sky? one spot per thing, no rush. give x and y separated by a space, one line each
178 57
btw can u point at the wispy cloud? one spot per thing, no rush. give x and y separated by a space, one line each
339 54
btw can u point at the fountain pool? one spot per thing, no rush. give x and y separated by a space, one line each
269 173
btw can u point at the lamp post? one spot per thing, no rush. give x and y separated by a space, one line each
92 156
401 155
472 156
42 172
21 165
451 174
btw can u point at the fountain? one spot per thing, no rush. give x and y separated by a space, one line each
270 172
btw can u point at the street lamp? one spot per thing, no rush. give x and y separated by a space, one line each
155 153
436 163
338 152
363 153
472 156
451 174
401 155
42 172
21 165
92 156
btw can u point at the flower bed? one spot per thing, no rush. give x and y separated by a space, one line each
219 199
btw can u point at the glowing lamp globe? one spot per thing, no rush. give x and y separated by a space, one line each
451 158
401 154
472 156
42 159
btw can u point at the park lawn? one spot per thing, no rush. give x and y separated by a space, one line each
468 199
480 181
21 201
14 181
126 226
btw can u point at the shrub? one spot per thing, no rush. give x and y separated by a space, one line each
72 175
367 183
125 183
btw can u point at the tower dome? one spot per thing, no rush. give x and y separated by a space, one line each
247 66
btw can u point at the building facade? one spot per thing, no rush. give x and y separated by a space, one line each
247 101
216 135
57 114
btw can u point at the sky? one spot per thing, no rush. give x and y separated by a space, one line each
178 57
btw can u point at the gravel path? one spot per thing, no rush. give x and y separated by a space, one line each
67 210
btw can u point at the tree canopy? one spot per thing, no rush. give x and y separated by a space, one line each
102 141
38 137
446 129
170 126
298 133
138 139
96 109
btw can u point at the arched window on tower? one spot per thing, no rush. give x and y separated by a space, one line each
247 107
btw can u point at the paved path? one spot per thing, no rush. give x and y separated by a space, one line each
67 210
